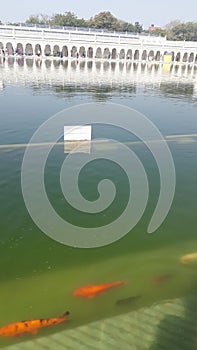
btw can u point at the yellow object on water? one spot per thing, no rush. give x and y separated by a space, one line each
185 259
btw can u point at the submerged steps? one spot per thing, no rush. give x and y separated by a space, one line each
171 324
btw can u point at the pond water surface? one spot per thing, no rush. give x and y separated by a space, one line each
38 274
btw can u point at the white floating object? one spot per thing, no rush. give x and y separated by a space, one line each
77 135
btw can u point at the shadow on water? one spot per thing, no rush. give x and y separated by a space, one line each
178 332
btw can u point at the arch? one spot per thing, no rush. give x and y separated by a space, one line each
82 52
185 57
144 55
9 49
136 55
19 49
98 53
64 51
28 49
151 55
38 50
122 54
158 56
172 56
195 61
106 53
1 45
114 54
178 57
191 57
90 52
56 51
129 54
47 50
74 52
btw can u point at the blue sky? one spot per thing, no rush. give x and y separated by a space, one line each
146 12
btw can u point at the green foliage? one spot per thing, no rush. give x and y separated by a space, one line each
175 30
38 19
67 19
138 27
183 31
104 20
127 27
161 32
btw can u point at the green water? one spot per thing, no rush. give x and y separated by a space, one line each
38 275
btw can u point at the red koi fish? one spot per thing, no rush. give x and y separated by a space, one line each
91 291
31 326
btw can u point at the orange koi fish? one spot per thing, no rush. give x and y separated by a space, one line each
91 291
31 326
185 259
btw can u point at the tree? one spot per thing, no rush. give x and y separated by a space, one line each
172 24
183 31
68 19
138 27
33 19
159 32
127 27
104 20
38 19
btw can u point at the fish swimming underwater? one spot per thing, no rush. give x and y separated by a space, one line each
127 301
30 326
188 258
91 291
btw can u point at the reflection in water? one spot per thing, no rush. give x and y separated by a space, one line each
105 74
106 66
89 65
82 65
56 63
38 63
98 65
128 66
73 64
30 62
65 64
121 66
48 63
